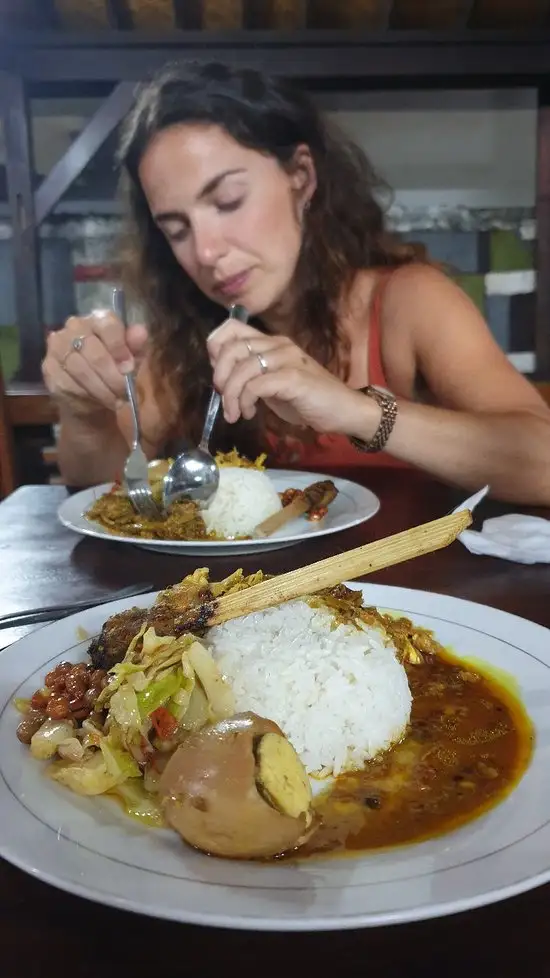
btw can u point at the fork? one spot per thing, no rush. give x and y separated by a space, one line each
17 619
136 470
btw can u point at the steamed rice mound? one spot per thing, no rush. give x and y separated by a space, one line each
338 692
244 498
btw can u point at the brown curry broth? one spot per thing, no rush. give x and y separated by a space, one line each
469 743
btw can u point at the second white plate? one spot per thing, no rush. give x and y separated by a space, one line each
353 505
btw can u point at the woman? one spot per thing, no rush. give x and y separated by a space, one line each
240 193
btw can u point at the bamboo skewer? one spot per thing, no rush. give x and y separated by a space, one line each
327 573
296 508
312 497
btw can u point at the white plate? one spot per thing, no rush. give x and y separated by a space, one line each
353 505
92 849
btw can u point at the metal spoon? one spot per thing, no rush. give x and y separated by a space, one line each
194 474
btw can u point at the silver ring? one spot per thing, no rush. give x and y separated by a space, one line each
78 343
248 347
263 363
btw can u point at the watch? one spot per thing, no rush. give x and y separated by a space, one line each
389 407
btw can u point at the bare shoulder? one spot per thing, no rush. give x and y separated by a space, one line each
427 310
451 344
411 296
419 287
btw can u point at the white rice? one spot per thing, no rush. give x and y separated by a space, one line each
244 498
338 693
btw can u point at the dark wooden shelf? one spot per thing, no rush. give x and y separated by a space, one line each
376 56
29 404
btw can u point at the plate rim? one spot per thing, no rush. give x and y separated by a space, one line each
323 920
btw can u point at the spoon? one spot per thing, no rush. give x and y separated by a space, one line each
194 474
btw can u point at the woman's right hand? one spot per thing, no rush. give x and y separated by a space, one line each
86 361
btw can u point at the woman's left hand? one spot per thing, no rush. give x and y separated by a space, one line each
250 366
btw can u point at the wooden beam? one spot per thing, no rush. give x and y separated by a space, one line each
188 14
222 15
81 151
399 56
151 15
385 14
434 15
542 321
465 15
19 174
312 36
287 15
30 405
47 13
119 14
275 14
256 14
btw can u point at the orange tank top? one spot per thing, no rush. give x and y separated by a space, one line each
336 451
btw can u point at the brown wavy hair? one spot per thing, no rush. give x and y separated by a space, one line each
343 228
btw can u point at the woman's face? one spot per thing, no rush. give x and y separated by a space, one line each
231 215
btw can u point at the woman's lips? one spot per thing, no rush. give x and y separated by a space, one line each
233 286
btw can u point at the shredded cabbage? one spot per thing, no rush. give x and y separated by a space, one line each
218 693
121 672
88 777
71 749
119 752
198 712
124 708
49 736
178 705
157 693
152 645
139 804
119 763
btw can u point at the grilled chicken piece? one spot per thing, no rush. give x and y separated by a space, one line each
184 607
112 643
320 494
178 609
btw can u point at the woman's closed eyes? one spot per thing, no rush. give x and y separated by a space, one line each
227 206
180 234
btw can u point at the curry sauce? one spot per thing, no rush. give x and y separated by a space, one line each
468 744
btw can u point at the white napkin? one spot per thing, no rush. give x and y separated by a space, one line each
523 539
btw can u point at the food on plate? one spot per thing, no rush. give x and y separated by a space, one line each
109 647
313 500
219 731
69 694
468 744
244 499
238 789
337 689
115 513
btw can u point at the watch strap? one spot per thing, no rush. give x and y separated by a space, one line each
389 408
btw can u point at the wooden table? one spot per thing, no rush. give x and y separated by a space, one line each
45 933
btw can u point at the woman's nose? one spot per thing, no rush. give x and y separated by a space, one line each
209 246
